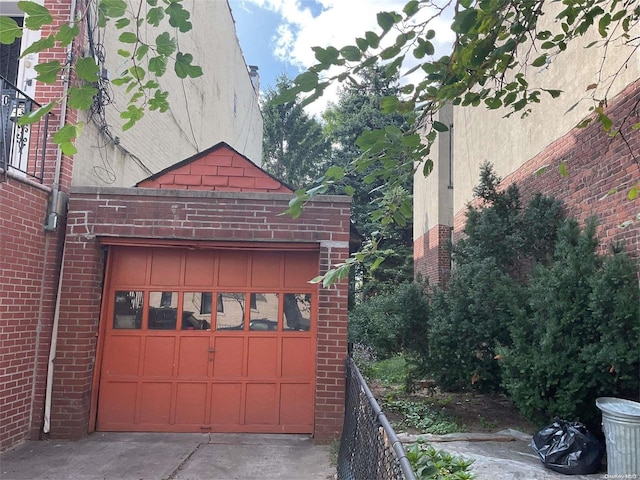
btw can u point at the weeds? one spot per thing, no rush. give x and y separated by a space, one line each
420 416
431 464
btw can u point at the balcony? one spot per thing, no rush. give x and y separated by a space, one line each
22 147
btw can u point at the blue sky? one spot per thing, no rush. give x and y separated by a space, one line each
277 35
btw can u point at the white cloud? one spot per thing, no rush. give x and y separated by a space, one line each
338 24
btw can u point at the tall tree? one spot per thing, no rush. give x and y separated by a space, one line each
358 110
295 149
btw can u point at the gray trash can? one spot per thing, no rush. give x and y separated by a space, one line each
621 426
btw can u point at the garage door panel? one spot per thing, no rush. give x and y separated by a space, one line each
228 357
299 268
191 403
261 404
199 268
118 403
122 355
158 356
165 267
193 356
226 404
296 404
129 267
232 271
155 403
265 270
296 361
262 357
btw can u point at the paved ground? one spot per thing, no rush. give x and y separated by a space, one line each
183 456
167 456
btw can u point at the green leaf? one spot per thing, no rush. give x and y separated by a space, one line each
36 115
334 173
87 69
606 122
440 127
124 53
122 23
113 8
137 72
389 104
385 20
165 44
9 30
159 101
306 81
67 34
562 169
158 65
39 46
178 17
372 39
362 43
351 53
128 37
155 16
48 72
553 93
427 168
183 67
65 136
633 192
37 15
464 21
287 96
540 61
121 80
132 114
81 98
411 8
141 52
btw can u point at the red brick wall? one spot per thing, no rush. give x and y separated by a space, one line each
210 216
220 169
431 255
29 268
28 280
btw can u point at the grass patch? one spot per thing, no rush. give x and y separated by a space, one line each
389 372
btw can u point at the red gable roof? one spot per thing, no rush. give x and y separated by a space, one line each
218 168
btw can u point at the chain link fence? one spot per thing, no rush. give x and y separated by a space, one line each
369 448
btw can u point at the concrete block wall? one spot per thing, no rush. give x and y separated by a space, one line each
191 216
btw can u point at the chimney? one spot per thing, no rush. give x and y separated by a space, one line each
255 78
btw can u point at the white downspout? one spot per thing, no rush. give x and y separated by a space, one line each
54 203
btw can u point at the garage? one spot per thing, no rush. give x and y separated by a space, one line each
215 339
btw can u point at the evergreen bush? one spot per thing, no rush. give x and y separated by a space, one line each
579 336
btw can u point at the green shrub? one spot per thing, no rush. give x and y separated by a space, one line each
580 335
391 322
470 321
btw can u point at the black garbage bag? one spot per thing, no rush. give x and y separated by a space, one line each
568 447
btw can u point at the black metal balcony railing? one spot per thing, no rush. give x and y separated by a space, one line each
22 147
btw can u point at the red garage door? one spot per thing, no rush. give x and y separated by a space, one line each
208 340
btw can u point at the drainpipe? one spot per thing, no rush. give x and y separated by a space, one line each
57 206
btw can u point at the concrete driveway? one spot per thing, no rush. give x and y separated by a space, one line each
170 456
